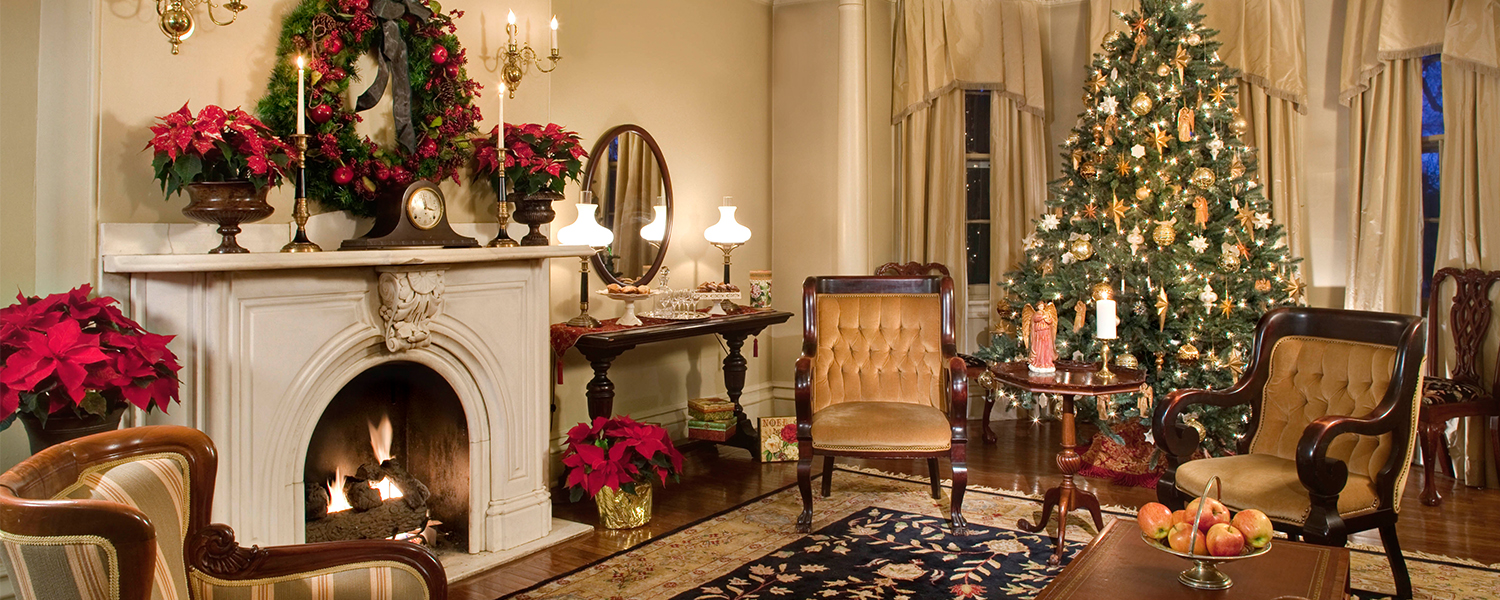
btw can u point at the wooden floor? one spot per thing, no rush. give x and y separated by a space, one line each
720 478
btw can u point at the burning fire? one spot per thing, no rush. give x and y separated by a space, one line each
380 442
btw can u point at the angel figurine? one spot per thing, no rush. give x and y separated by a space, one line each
1039 335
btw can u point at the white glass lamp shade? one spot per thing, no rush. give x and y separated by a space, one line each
586 231
727 231
657 228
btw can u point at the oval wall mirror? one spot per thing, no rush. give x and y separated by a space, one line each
629 179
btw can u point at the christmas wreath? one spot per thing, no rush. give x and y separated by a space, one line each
420 60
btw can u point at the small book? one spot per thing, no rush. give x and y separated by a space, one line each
711 425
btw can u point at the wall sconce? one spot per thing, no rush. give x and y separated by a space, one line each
177 22
516 62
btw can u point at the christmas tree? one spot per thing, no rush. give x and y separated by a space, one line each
1159 200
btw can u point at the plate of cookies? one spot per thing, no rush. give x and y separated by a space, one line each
626 292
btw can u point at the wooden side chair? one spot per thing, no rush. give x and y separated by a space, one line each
912 269
1333 397
880 377
124 514
1462 393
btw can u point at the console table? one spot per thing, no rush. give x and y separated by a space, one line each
602 348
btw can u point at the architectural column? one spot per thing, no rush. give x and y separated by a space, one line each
852 234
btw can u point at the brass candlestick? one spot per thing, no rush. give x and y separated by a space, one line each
299 242
1104 372
502 215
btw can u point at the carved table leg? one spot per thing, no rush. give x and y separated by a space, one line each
735 367
989 405
601 391
1066 496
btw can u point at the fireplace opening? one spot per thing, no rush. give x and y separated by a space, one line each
389 458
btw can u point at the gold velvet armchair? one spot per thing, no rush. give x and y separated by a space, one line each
124 514
880 377
1333 397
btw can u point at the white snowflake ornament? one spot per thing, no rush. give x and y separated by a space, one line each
1138 151
1262 221
1108 105
1234 203
1215 146
1050 222
1031 242
1199 244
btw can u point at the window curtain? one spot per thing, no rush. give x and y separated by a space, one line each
1469 234
637 183
1264 39
942 48
1381 83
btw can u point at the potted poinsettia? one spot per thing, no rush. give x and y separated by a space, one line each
226 160
614 462
538 161
70 365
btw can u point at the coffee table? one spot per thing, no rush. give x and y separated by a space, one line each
1069 380
1118 565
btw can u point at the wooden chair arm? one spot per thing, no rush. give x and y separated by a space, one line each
125 528
958 397
214 551
1323 475
803 397
1178 441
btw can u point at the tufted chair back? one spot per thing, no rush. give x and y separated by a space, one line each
878 339
1311 377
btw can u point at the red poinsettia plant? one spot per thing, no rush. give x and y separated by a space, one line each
216 145
537 158
72 355
618 453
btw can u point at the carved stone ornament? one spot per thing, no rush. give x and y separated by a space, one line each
409 299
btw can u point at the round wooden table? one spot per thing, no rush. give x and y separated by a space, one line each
1070 380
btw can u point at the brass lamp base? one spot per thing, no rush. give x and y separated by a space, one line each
583 320
1104 372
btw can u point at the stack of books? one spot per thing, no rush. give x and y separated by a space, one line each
711 419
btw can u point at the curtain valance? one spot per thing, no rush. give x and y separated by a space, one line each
943 45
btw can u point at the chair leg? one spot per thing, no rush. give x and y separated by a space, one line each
804 485
827 476
1430 452
1397 560
960 483
1495 439
932 473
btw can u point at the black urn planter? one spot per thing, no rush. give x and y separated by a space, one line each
535 210
59 429
227 204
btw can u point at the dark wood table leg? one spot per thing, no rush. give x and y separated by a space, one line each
735 367
1066 496
601 391
989 405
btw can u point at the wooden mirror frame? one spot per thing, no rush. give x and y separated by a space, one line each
666 186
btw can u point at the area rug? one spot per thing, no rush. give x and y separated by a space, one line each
881 536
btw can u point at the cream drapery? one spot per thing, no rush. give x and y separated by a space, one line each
1469 232
1381 82
1264 39
942 48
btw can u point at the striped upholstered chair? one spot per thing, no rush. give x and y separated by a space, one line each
124 515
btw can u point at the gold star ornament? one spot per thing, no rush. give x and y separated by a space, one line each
1098 83
1117 210
1226 306
1235 363
1122 166
1295 288
1159 139
1162 305
1091 211
1246 216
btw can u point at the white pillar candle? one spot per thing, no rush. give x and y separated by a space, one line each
554 35
510 27
301 96
1106 319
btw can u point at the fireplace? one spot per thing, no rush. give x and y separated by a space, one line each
395 433
288 355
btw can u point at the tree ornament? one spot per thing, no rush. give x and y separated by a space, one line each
1215 146
1145 401
1111 128
439 55
1226 305
1159 138
1238 124
1139 309
1089 171
320 114
1081 248
1108 105
1200 211
1202 177
1198 244
1047 267
1112 37
1185 119
1080 315
1165 233
1073 140
1143 193
1193 39
1140 105
1180 61
1220 94
1208 297
1122 165
1235 362
1098 83
1105 408
1163 70
1263 285
1135 238
1187 354
1127 360
1091 211
1295 288
1230 262
1162 306
1246 216
1236 168
1079 158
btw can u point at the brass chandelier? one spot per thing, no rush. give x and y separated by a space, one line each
177 22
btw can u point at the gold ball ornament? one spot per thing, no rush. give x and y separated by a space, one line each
1088 171
1188 354
1163 70
1193 39
1102 291
1141 104
1128 361
1239 125
1072 139
1143 193
1202 177
1164 234
1230 262
1081 249
1112 37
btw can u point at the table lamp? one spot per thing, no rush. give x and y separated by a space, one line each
727 235
585 231
657 229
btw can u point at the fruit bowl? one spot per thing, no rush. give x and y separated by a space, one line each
1221 538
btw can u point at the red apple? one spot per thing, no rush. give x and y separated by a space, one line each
1214 513
1255 526
1181 536
1224 540
320 114
1155 520
1181 516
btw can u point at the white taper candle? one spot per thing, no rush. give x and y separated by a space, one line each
301 96
1106 320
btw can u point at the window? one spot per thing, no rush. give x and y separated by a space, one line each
977 192
1432 154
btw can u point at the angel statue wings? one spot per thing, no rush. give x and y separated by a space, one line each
1039 336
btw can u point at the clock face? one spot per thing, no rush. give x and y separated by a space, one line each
425 208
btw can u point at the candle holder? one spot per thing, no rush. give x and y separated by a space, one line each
300 242
516 61
502 215
1104 372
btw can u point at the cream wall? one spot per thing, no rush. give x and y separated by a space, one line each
19 32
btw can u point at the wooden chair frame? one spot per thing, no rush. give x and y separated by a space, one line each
1323 477
1469 321
955 382
27 508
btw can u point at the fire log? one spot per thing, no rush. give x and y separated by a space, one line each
414 492
389 518
359 493
317 501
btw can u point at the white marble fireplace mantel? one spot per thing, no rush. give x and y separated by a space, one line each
267 339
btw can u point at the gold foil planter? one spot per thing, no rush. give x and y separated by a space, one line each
619 510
